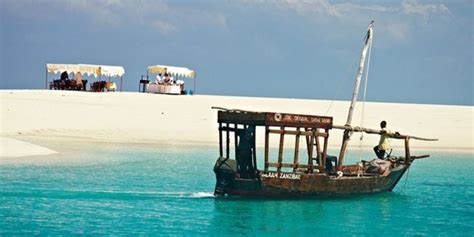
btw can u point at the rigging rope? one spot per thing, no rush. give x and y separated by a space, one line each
406 179
334 97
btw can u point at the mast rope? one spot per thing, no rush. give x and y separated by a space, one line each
406 178
339 88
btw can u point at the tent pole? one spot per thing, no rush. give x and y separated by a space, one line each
121 83
46 86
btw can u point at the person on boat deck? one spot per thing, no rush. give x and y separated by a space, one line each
384 142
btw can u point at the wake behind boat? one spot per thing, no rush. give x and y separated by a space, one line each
315 175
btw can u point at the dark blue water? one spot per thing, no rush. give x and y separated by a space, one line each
145 190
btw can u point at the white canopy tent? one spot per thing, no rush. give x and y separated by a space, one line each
86 69
175 71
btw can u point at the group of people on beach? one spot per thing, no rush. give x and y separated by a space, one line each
63 83
165 79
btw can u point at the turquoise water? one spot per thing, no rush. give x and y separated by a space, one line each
145 190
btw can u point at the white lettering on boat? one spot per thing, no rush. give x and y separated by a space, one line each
281 175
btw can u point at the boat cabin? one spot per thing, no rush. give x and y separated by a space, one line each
241 126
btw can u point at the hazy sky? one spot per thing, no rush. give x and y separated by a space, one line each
422 52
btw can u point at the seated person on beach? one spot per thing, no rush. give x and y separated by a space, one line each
64 76
64 81
78 79
167 79
384 142
158 79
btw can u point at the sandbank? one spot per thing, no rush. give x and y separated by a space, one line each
131 117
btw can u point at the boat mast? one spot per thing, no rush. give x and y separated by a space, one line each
360 71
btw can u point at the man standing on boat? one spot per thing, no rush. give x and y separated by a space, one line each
384 142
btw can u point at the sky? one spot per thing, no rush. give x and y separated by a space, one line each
422 50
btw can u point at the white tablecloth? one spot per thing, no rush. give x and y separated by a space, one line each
163 89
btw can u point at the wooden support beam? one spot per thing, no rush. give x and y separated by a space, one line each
236 139
297 148
325 148
310 158
318 153
375 131
227 151
267 141
407 150
308 147
280 150
254 149
221 150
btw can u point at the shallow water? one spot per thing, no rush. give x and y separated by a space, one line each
123 189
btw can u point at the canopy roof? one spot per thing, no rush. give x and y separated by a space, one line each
177 71
86 69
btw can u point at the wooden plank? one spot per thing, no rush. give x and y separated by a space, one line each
297 148
267 139
280 150
272 119
225 128
277 165
306 133
241 117
298 120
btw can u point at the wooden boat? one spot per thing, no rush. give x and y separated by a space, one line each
315 175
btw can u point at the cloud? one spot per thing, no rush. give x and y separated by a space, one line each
163 26
411 7
397 18
164 17
339 10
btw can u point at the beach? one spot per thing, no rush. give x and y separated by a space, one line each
141 118
75 163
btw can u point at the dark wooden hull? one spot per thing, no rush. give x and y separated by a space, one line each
314 185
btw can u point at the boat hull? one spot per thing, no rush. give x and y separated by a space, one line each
310 185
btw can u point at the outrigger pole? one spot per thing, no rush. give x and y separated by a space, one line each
360 71
375 131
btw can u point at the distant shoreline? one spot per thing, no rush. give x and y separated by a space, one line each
134 118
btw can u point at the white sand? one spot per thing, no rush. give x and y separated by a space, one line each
15 148
152 118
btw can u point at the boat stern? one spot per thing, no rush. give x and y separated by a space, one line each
225 170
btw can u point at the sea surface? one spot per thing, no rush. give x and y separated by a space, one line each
121 189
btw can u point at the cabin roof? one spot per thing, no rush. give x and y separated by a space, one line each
273 119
